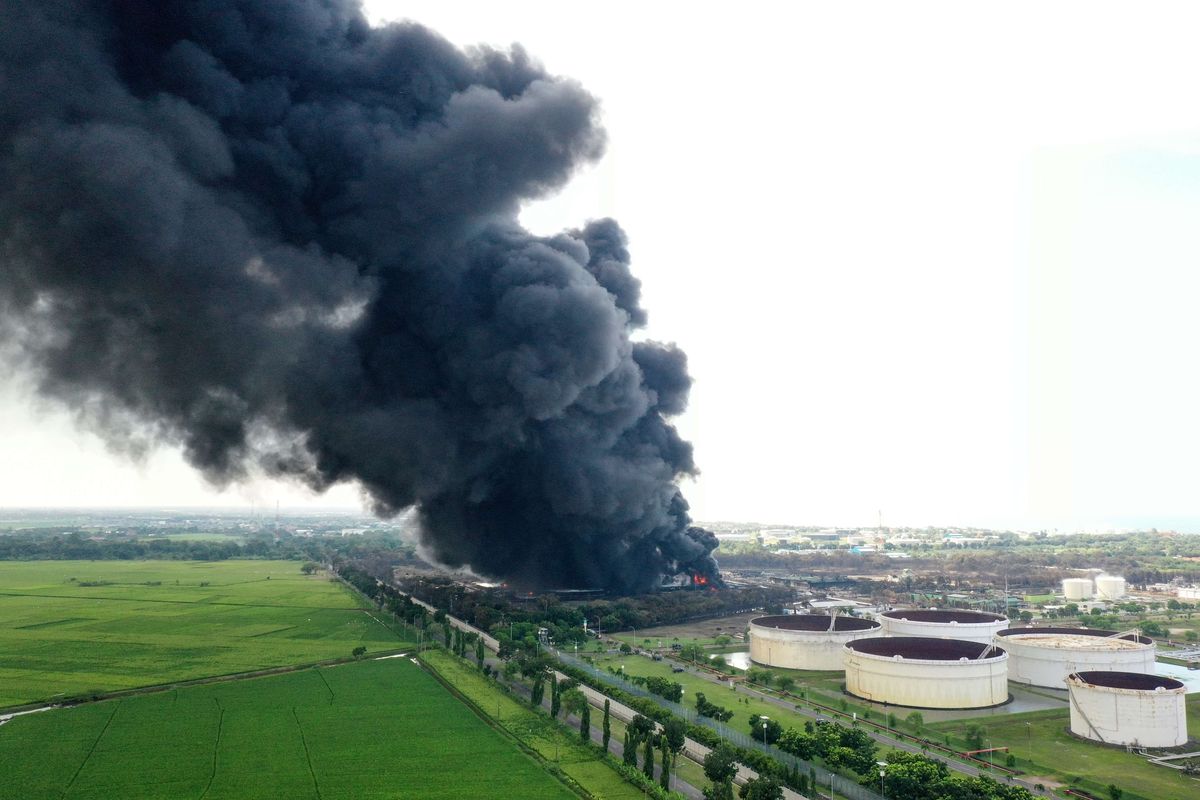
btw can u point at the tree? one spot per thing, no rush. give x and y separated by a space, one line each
1191 635
641 726
764 787
625 648
308 568
801 745
664 778
675 733
719 767
607 726
974 737
1150 628
1115 792
629 751
555 698
538 692
771 733
785 683
648 757
585 721
916 721
479 651
359 651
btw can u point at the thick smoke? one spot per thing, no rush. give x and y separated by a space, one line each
284 240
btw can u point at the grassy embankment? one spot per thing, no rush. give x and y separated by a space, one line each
80 627
373 729
556 745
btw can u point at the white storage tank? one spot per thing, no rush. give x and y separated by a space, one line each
971 626
806 641
1077 588
1046 656
924 672
1128 708
1110 587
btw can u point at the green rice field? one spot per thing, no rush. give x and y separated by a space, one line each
370 729
69 628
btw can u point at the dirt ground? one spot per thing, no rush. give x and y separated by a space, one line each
702 631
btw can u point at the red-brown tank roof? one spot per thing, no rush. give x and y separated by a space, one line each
815 622
943 615
1126 680
923 647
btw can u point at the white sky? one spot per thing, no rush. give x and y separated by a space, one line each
936 260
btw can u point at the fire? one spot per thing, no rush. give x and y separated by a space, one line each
699 580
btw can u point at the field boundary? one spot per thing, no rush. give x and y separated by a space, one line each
216 747
91 750
99 697
307 755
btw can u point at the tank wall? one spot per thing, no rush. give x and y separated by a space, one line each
1110 587
981 632
922 684
817 650
1122 716
1050 666
1077 588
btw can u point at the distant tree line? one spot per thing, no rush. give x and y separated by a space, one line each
76 546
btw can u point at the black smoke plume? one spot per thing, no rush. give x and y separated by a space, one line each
283 240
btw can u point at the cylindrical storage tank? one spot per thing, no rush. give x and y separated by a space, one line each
923 672
1046 656
1128 708
1110 587
971 626
805 641
1077 588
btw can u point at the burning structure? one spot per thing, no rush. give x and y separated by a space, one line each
287 242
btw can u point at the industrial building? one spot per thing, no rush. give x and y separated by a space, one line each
1128 709
971 626
1046 656
924 672
806 641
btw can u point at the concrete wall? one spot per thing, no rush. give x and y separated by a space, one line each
790 649
981 632
1146 718
922 683
1034 661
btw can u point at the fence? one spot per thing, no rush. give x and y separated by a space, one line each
825 778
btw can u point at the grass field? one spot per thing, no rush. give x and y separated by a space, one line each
148 622
372 729
1044 747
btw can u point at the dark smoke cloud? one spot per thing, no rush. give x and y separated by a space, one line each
280 239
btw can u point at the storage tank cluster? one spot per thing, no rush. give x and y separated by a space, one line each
1046 656
926 672
1105 587
971 626
806 641
1128 708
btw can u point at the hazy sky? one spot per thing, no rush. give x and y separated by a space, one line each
929 259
